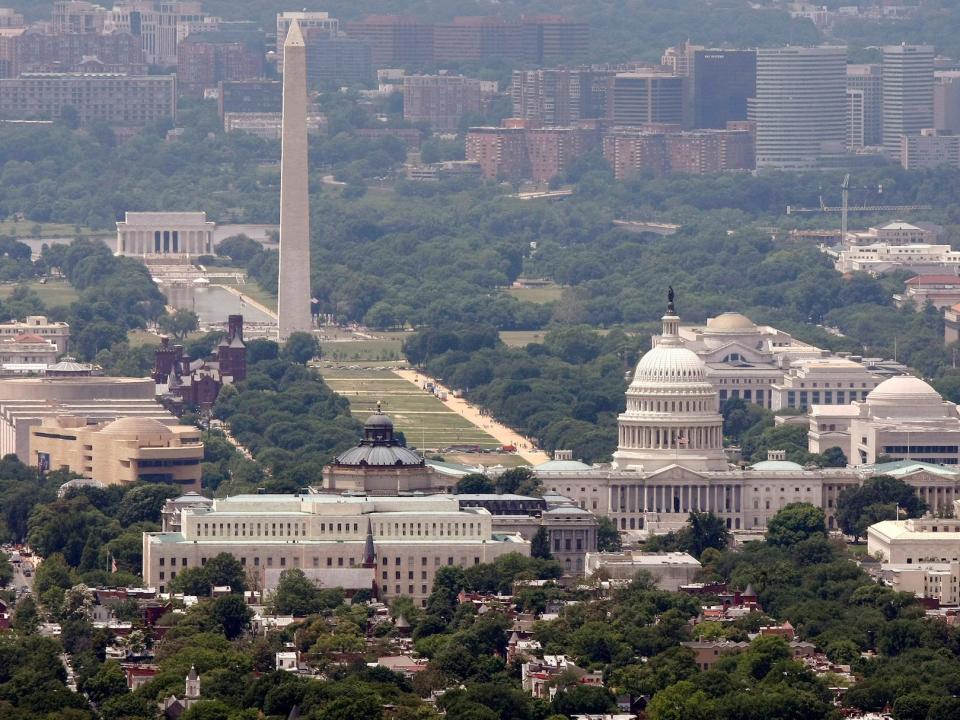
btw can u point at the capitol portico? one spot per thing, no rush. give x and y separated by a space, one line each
670 459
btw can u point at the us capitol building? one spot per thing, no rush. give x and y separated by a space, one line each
670 458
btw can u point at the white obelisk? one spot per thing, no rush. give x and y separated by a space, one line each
293 302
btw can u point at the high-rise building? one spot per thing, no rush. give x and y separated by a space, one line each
252 96
559 96
867 80
395 40
78 16
293 302
723 81
312 24
157 23
855 119
800 107
78 52
641 98
10 18
477 38
554 39
929 149
500 151
126 100
441 101
907 93
334 60
206 59
946 101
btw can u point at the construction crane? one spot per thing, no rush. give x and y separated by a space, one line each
844 208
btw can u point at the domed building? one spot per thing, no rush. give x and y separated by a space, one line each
903 418
382 465
671 416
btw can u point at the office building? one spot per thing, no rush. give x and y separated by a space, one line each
207 59
26 354
917 540
268 126
258 96
668 571
941 291
907 93
78 17
551 150
395 40
121 451
641 98
800 107
75 52
723 81
823 381
939 581
55 332
157 23
946 102
930 149
881 258
855 120
180 234
10 18
126 100
867 82
440 101
902 418
310 22
559 96
390 545
571 530
554 39
476 38
336 60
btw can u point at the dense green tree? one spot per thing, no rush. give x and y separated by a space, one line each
877 499
608 537
301 347
540 544
474 484
795 523
180 323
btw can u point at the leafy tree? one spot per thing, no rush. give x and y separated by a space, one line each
608 537
540 544
180 324
110 681
225 569
877 499
232 614
682 701
582 699
6 570
795 523
473 484
704 530
301 347
296 594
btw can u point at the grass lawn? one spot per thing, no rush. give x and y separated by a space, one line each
538 295
138 338
25 229
520 338
337 345
53 292
424 420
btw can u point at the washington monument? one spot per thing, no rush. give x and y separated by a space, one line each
293 303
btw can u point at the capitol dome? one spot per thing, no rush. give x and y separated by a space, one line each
906 396
730 321
670 363
671 416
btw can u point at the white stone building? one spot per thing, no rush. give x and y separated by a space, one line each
880 258
917 540
172 234
939 581
903 418
744 360
895 232
393 544
668 570
825 381
56 332
658 479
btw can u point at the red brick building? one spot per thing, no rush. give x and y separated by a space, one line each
441 101
395 40
206 59
34 52
635 151
501 152
552 149
477 38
